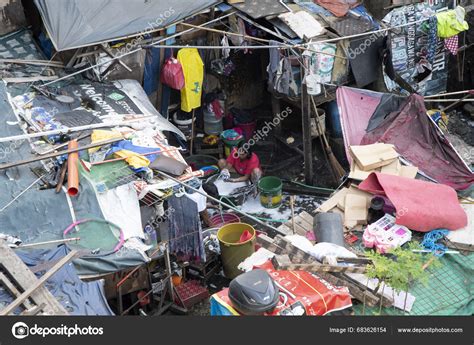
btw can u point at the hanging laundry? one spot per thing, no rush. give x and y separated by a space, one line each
185 232
338 7
285 82
193 69
272 68
225 45
452 44
451 22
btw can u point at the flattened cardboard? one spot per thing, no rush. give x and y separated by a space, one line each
332 201
355 209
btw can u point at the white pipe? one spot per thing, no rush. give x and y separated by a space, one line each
449 100
449 94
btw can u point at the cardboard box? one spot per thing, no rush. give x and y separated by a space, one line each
369 157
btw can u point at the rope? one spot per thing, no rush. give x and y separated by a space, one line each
430 242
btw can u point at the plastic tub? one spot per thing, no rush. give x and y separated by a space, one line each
212 125
233 252
271 189
230 144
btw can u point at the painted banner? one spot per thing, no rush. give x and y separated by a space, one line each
418 55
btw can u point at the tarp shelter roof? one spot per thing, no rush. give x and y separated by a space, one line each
77 23
368 117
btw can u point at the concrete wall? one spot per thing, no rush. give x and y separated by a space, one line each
12 16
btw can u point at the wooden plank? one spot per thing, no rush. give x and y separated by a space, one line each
13 290
33 311
33 62
24 279
307 218
285 229
317 268
37 284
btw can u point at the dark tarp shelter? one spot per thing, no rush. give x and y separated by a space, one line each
406 125
78 23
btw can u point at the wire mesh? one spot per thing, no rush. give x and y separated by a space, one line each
449 291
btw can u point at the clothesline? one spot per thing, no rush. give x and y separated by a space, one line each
304 45
135 50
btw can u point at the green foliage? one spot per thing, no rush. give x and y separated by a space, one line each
401 268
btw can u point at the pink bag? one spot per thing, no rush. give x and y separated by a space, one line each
172 74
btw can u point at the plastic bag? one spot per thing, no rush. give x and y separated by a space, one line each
172 74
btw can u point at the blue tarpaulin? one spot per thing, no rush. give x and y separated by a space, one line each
78 297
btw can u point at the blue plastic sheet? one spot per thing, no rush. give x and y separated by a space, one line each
78 297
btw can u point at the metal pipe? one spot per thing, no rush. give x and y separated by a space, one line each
47 242
222 203
74 129
23 192
57 154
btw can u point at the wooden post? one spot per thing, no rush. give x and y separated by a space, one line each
307 140
276 109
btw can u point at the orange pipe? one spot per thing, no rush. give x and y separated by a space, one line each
72 170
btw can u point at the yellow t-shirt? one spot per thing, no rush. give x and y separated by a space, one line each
193 69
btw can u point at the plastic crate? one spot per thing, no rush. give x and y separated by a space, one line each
190 293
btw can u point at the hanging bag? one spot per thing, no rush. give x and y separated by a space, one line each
172 74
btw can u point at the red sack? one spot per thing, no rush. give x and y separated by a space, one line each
301 293
172 74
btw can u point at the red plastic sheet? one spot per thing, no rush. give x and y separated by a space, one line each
301 293
421 206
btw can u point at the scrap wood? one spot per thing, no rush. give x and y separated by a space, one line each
51 63
38 283
333 200
283 262
24 278
11 288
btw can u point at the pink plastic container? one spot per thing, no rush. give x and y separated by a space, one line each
218 220
248 129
